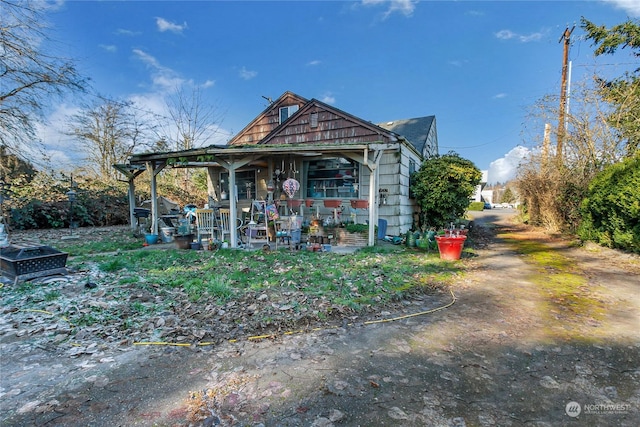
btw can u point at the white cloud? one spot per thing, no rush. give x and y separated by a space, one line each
499 96
247 74
524 38
505 34
163 78
632 7
123 32
109 48
458 62
405 7
328 98
505 168
60 148
314 62
208 83
164 25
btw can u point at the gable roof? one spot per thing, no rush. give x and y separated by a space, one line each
318 123
267 120
420 131
330 126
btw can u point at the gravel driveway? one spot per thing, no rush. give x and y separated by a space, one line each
501 355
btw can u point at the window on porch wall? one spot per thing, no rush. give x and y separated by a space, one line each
245 184
335 177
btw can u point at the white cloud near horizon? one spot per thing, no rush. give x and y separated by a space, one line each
632 7
506 168
60 147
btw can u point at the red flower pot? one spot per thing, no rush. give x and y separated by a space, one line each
332 203
360 204
450 248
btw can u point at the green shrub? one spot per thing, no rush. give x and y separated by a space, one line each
442 187
611 210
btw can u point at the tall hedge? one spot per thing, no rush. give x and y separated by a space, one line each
611 210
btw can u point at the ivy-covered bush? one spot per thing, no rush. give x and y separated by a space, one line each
611 210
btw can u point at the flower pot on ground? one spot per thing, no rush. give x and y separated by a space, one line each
151 239
450 247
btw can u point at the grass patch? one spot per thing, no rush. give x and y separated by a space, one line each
565 290
367 277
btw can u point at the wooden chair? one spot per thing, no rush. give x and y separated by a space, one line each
224 227
205 223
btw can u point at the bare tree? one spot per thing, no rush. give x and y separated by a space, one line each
29 76
109 132
553 193
191 123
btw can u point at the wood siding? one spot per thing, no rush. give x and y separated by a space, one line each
331 129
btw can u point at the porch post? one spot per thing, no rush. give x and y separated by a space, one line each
132 203
154 198
233 205
373 191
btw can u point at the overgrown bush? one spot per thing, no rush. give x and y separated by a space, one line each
42 202
611 210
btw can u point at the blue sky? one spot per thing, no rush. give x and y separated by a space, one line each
476 65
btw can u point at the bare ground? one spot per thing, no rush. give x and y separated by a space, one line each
505 354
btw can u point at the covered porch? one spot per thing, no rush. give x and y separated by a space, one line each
335 180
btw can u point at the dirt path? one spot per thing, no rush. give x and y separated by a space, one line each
507 353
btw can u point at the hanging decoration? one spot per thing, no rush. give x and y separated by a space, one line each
290 186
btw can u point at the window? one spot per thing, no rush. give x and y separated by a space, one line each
412 171
313 120
332 177
286 112
245 184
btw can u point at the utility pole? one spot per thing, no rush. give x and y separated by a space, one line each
566 36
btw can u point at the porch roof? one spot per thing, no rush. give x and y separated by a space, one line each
212 154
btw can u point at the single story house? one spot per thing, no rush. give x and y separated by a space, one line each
336 157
